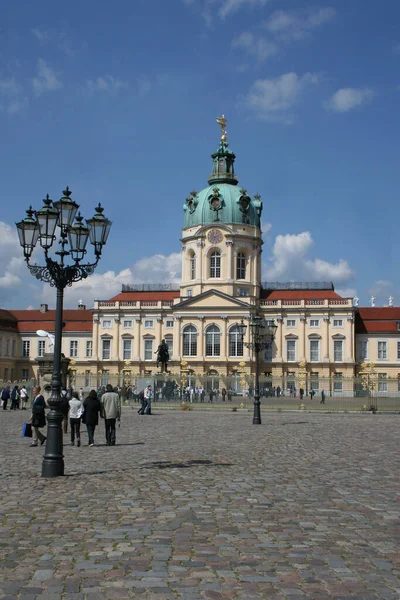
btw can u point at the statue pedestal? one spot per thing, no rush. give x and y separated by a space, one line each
45 372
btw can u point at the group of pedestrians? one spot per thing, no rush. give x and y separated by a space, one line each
75 411
17 396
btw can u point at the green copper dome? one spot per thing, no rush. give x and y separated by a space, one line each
223 201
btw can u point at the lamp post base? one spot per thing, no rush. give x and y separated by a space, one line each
53 459
257 411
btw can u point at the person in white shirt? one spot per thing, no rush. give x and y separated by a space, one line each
75 414
24 397
148 394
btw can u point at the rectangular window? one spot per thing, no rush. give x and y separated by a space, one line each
314 350
26 348
382 350
338 322
169 324
106 323
291 323
25 373
338 350
89 349
338 382
268 353
73 348
7 353
314 322
148 349
127 324
148 324
243 292
6 373
291 350
398 350
362 350
169 340
314 382
14 348
382 382
189 293
106 349
87 378
127 349
41 347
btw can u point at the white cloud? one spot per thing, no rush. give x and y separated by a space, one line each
258 47
230 6
346 99
46 79
106 83
12 263
265 227
272 97
11 96
346 292
291 25
290 262
40 34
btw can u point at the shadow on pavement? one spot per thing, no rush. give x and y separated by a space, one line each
184 465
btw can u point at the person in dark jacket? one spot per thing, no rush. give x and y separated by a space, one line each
92 407
5 396
64 407
15 398
38 418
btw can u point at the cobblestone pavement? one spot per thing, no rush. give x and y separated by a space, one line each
192 505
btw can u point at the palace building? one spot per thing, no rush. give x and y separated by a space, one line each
318 331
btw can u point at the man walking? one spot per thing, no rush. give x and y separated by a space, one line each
111 411
5 396
148 394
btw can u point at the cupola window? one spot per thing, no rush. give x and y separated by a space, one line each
215 264
241 266
192 262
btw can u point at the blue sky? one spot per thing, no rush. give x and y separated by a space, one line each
119 100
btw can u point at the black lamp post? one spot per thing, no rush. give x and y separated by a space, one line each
56 220
260 330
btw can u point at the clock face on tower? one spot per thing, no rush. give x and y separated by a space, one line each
215 236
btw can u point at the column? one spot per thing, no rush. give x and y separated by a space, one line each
160 323
95 339
117 321
177 339
256 252
303 342
247 351
224 338
350 343
279 338
137 341
326 321
200 339
231 253
199 264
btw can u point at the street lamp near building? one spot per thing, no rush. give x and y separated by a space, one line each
58 222
262 335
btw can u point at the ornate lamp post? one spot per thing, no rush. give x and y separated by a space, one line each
260 331
56 220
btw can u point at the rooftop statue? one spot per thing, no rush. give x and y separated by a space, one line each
222 123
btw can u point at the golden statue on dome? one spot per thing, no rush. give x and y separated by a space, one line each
222 123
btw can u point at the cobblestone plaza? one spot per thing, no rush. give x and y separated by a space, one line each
196 505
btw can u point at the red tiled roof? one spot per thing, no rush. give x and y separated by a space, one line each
127 296
32 320
7 320
299 294
378 319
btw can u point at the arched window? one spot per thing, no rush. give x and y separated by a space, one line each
235 341
215 264
213 341
190 341
192 260
241 266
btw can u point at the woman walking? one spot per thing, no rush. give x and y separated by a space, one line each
91 408
38 418
75 414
